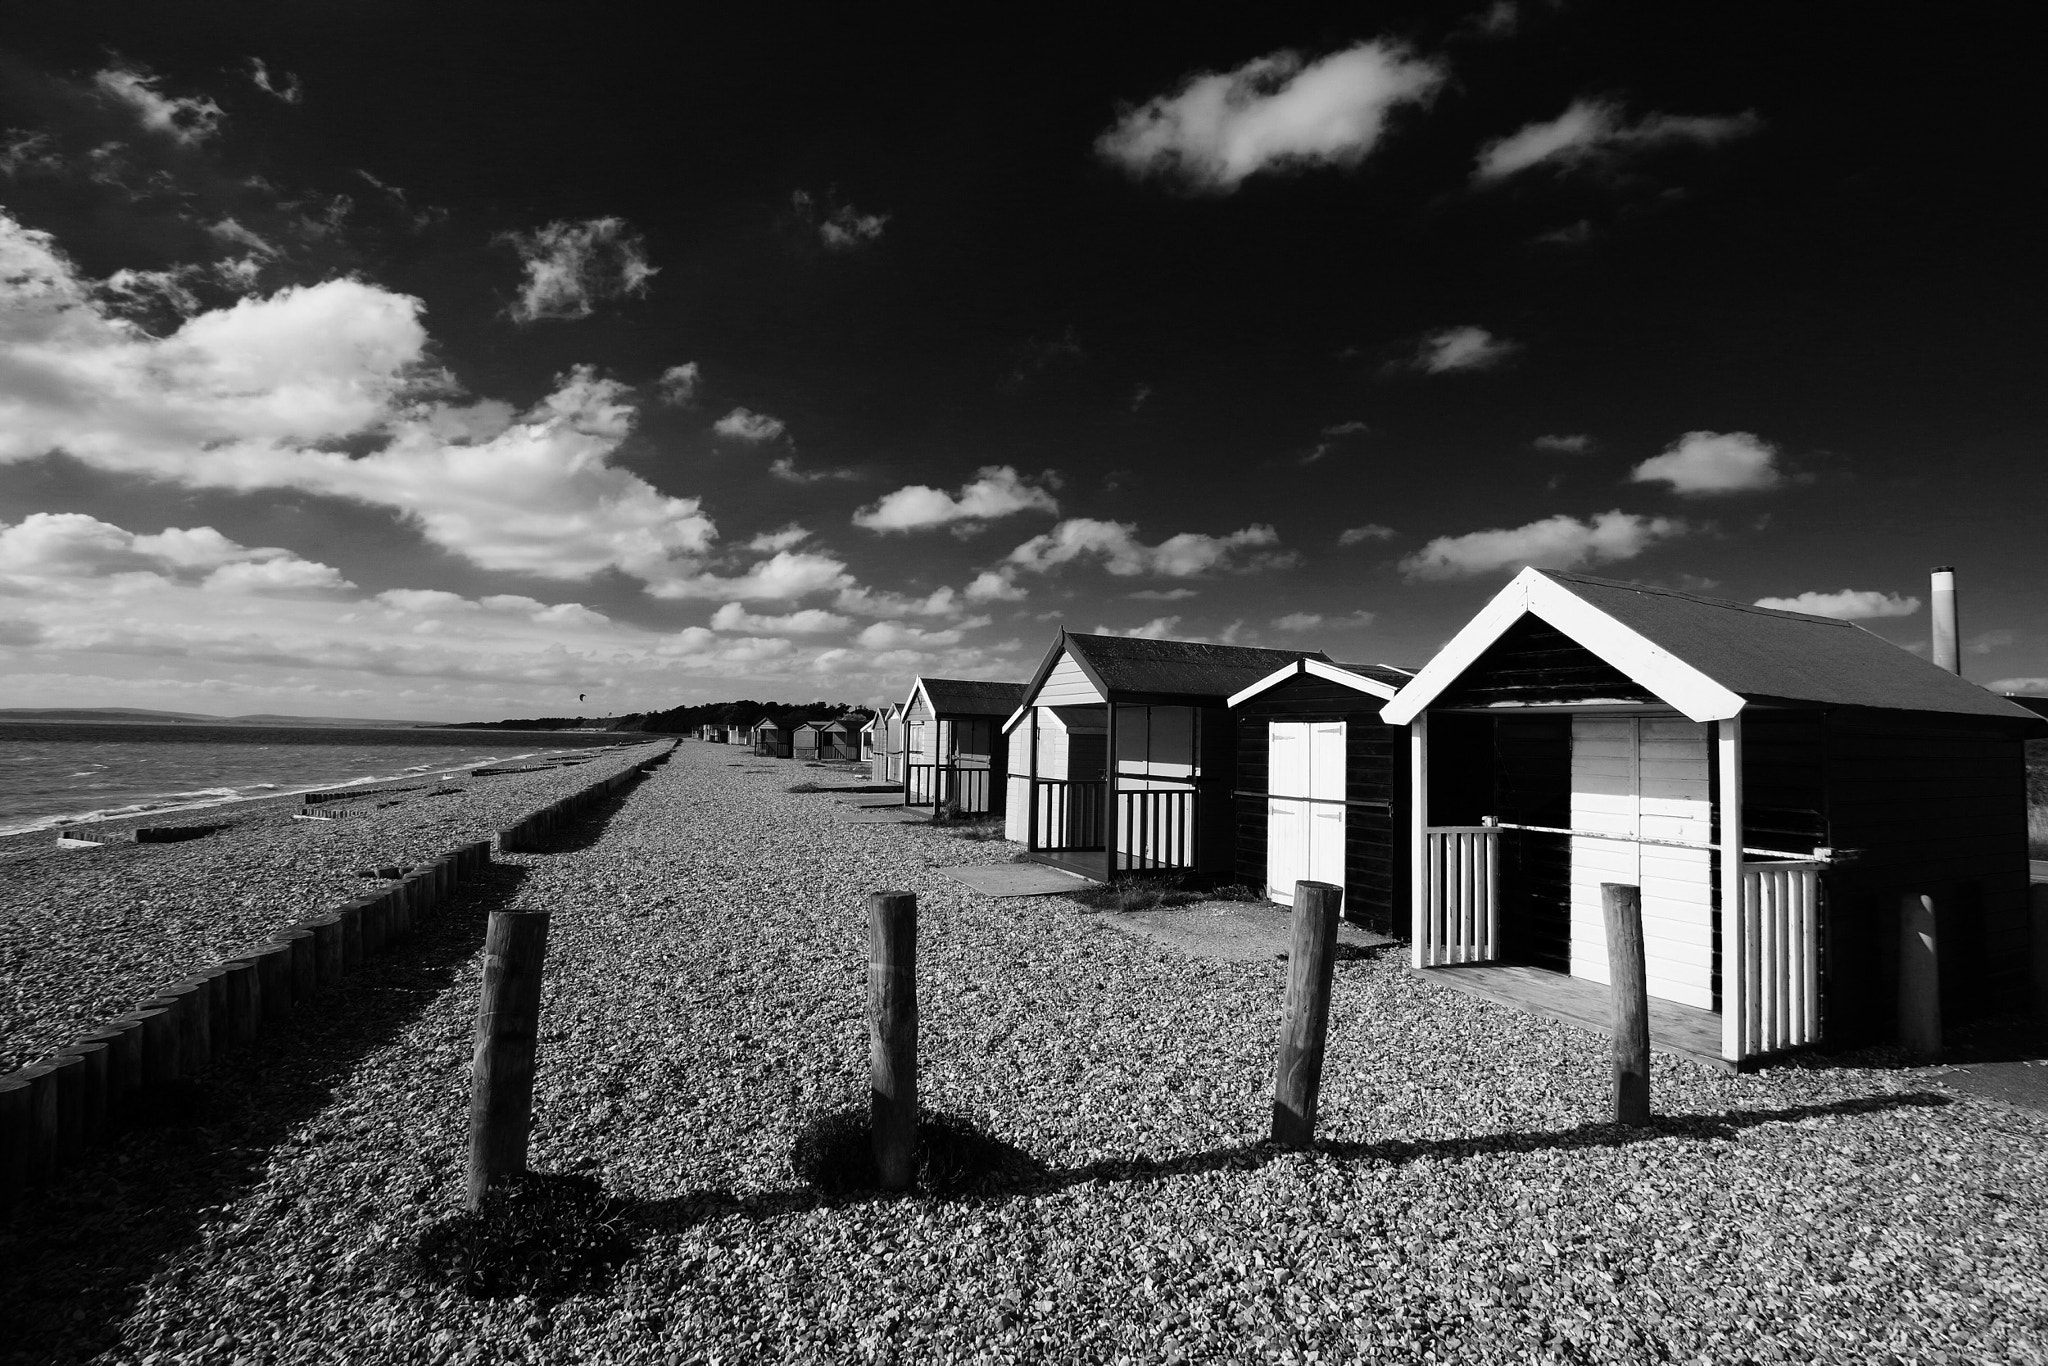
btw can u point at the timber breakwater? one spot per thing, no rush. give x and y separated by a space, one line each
98 1073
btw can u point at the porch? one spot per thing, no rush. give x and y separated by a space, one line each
1157 827
1682 1031
968 787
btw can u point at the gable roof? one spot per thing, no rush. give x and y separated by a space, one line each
1373 680
1707 657
968 696
1129 665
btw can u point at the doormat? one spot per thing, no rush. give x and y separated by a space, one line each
1018 879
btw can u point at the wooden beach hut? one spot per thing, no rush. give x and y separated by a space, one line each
1322 787
769 740
806 740
1122 755
1773 783
867 740
886 766
840 740
952 743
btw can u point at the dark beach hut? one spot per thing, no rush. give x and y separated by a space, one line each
840 740
806 740
1774 784
1122 755
1322 787
952 743
769 740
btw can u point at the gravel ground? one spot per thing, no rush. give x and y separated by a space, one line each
86 933
704 1004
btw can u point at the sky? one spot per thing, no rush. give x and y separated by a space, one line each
456 362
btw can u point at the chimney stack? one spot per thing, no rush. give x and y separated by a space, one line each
1947 647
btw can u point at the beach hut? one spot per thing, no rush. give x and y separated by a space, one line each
769 740
952 743
840 741
1322 787
867 741
1161 709
806 740
1773 783
888 760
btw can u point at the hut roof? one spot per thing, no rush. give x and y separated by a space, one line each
970 697
1193 668
1708 657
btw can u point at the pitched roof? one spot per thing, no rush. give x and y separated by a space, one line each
972 697
1379 673
1191 668
1707 656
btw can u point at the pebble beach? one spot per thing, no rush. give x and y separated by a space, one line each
704 1011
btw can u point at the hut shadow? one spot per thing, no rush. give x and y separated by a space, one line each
2001 1038
81 1250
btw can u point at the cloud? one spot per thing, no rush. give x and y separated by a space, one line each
289 575
1159 628
768 542
228 230
288 90
1372 531
1117 546
1351 428
1558 542
996 491
784 575
1451 350
1036 355
48 549
1275 112
1498 20
1850 604
2032 687
785 468
1299 621
1164 594
754 428
810 621
571 267
186 120
894 635
29 153
840 226
1713 462
678 384
1591 131
869 602
995 585
1578 443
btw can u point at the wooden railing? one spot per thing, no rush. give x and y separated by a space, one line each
1779 957
937 785
1461 884
1069 813
1156 828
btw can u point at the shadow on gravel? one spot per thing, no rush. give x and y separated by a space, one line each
540 1234
588 828
77 1255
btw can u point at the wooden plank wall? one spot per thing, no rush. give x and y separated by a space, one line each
1375 769
1535 662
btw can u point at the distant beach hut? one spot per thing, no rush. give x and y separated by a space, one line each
839 740
887 765
807 739
1122 756
1322 787
769 740
952 744
1774 784
867 741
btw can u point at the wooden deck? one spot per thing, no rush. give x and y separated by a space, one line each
1682 1031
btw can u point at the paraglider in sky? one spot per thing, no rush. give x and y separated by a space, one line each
580 696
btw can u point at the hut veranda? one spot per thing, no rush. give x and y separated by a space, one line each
1774 783
952 760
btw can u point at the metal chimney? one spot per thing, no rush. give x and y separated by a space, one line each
1947 648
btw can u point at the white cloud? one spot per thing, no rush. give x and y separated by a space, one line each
1371 531
768 542
29 153
228 230
784 575
678 384
754 428
992 585
70 549
1164 594
2032 687
1498 20
996 491
183 119
1299 621
1117 546
1595 130
288 575
1850 604
1713 462
868 602
895 635
1274 112
571 267
1452 349
784 467
1559 542
1577 443
288 89
1350 428
840 226
1159 628
810 621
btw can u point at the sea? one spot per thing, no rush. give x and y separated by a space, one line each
64 772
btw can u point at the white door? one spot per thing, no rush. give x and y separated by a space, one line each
1304 838
1645 777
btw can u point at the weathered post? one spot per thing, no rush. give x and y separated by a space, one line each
892 1036
1919 977
1622 905
507 1034
1305 1022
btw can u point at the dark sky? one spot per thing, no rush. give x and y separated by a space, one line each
1733 298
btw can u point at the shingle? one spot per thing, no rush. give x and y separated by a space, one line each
973 697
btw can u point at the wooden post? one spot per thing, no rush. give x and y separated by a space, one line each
1623 906
1418 842
892 1036
191 1004
507 1035
330 953
242 996
84 1093
17 1135
1919 977
305 963
274 980
1305 1025
123 1038
56 1104
2038 906
160 1061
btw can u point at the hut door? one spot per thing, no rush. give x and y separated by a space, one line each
1645 778
1304 805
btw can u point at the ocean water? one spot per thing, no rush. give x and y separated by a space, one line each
53 773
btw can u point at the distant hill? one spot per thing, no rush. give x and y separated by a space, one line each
145 716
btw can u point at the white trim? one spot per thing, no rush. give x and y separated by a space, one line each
1689 690
1418 836
917 688
1015 717
1734 942
1342 677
